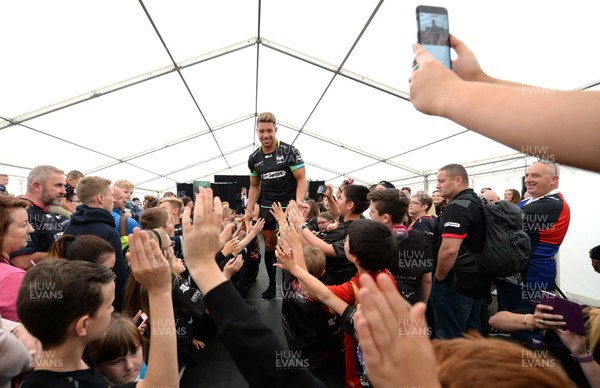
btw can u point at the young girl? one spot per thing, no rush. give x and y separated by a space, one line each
87 247
119 354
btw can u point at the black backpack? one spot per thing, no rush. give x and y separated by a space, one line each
507 247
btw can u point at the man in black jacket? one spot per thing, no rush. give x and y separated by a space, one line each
94 217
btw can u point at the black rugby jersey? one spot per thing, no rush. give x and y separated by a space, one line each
275 171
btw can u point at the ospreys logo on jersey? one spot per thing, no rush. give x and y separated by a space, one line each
273 174
287 156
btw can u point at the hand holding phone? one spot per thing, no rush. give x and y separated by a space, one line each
433 32
140 318
322 189
570 311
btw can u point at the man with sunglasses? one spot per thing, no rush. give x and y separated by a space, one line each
546 218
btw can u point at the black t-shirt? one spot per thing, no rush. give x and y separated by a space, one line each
48 228
414 259
275 171
338 268
73 379
424 224
463 219
307 326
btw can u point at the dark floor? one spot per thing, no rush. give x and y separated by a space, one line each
214 367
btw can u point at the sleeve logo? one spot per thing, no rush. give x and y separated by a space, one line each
452 225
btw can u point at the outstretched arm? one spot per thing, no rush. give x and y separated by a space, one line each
541 319
253 192
576 344
151 270
518 116
308 283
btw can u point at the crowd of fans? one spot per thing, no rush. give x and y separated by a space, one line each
366 240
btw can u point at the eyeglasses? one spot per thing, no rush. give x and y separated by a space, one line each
415 203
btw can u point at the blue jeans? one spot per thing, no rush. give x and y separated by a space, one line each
455 313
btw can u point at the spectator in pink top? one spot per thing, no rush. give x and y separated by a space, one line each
14 232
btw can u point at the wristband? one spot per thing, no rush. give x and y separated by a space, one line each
587 358
525 322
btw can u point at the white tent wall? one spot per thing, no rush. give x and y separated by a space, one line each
577 277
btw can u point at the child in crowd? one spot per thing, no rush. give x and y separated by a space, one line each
131 206
370 245
307 326
86 247
3 183
67 312
187 299
119 355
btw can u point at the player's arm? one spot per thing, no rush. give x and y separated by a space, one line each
254 191
300 175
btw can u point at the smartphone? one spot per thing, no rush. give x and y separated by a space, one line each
141 319
571 311
321 189
433 32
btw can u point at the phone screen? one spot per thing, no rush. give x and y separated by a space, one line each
434 32
570 310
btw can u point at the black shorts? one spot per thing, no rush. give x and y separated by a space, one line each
270 222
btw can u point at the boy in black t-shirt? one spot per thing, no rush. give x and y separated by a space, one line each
67 312
307 326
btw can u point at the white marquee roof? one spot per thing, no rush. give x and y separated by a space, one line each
160 92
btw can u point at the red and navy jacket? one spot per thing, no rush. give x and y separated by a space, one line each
546 220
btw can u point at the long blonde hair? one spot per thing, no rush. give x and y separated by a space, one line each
592 327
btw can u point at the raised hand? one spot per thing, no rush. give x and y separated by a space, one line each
233 266
295 215
147 262
285 259
277 212
256 228
290 235
231 246
201 239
